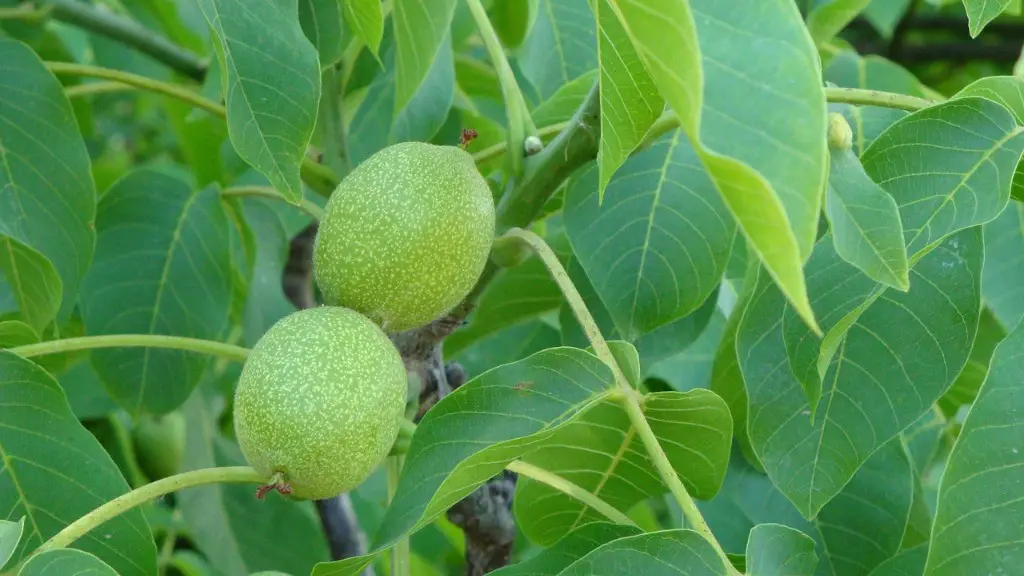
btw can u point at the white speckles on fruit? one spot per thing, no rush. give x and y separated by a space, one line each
405 235
320 399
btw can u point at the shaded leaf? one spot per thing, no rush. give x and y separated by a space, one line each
33 280
65 561
47 196
562 105
10 535
671 552
515 408
630 101
909 562
777 550
321 22
86 394
828 18
237 533
1003 281
16 333
865 222
569 549
658 245
990 333
770 171
271 87
977 525
601 453
162 266
561 45
512 20
981 12
692 367
55 472
366 19
885 14
421 27
508 345
898 357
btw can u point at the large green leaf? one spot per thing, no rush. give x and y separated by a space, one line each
777 550
515 408
54 472
885 14
366 19
421 27
630 101
237 533
562 105
162 266
977 525
66 561
271 87
658 245
10 535
942 189
512 20
896 359
981 12
33 280
692 367
569 549
770 171
990 334
602 453
321 21
666 553
1008 91
508 345
47 196
561 46
1003 285
828 18
909 562
865 222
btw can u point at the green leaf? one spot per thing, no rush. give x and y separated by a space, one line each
666 553
86 394
981 12
322 23
944 189
601 453
990 334
16 333
692 367
237 533
908 346
366 19
10 535
885 14
828 18
1003 281
562 105
66 561
162 266
1006 90
508 345
48 200
865 222
516 407
851 70
271 87
561 45
512 20
656 250
54 472
33 280
569 549
909 562
777 550
977 525
630 101
770 172
421 28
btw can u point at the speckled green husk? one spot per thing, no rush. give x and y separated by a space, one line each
406 235
319 400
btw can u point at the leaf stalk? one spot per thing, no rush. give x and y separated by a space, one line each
221 349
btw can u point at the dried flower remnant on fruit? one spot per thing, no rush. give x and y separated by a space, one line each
467 136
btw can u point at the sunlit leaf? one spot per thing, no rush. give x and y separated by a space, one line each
54 472
162 266
366 19
865 222
561 45
271 87
657 246
777 550
47 196
1008 91
421 27
67 561
981 12
569 549
33 280
602 453
897 358
981 501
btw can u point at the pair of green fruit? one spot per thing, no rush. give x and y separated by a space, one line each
404 238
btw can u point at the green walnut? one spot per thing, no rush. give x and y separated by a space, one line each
159 444
319 401
406 235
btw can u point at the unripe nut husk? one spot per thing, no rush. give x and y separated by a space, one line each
319 401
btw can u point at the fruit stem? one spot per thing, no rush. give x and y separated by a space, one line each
267 192
139 496
628 398
229 351
400 551
520 123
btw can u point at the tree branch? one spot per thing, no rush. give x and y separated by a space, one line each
131 34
